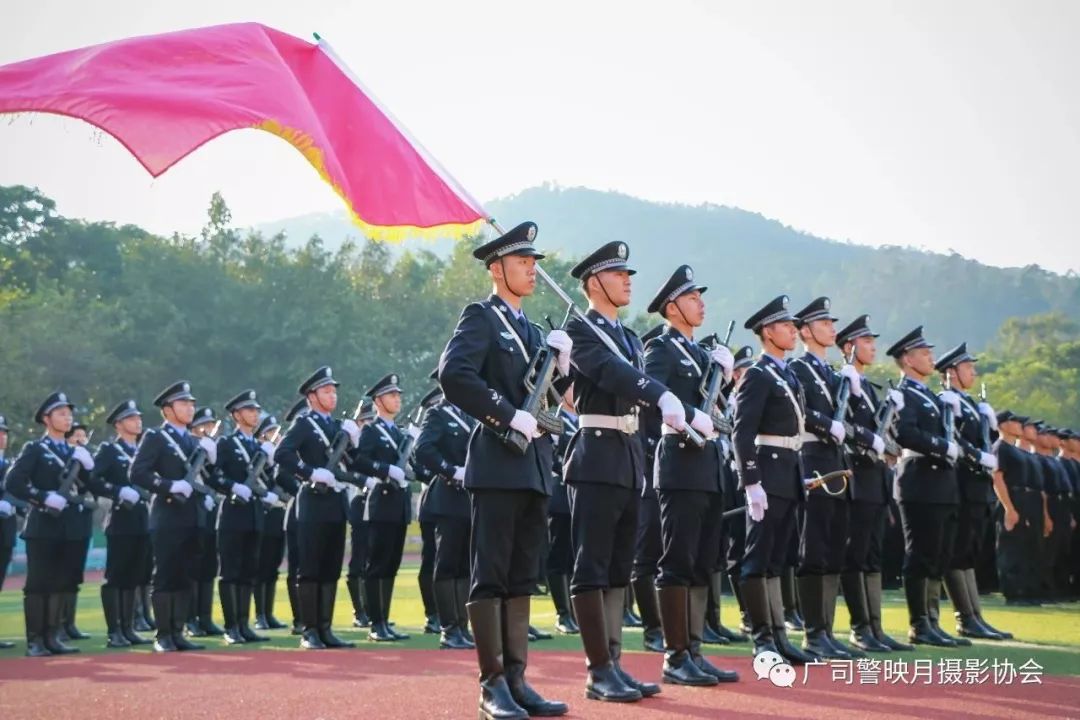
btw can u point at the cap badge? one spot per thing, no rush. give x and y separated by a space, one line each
622 251
689 275
530 234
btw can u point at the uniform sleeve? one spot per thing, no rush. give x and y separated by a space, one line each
749 407
230 467
146 458
287 454
816 421
427 453
660 365
909 435
460 371
285 480
591 358
362 459
98 481
18 477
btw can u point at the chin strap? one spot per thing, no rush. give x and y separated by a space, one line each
506 281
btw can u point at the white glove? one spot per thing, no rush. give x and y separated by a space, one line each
854 381
838 432
270 498
672 410
950 398
128 495
6 509
268 449
952 452
350 428
208 502
878 445
757 501
524 423
241 491
210 448
988 461
722 356
413 431
402 483
82 455
395 473
371 483
702 423
988 412
322 476
897 398
561 343
55 501
459 474
180 487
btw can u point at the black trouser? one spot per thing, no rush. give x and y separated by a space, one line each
972 519
176 558
358 548
690 528
320 549
823 540
292 553
1017 548
768 542
604 521
52 566
735 544
239 553
560 557
271 553
929 535
125 560
866 531
78 571
451 561
648 545
5 562
505 545
206 568
386 543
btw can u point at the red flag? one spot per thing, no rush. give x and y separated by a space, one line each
163 96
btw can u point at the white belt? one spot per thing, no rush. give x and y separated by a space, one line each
908 454
623 423
809 437
786 442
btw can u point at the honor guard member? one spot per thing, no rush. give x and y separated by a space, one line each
272 538
605 466
1020 521
441 450
358 533
767 436
688 480
240 518
870 493
53 532
1039 481
926 486
161 463
560 556
200 620
8 519
735 527
127 524
1057 488
975 483
321 507
287 481
388 509
82 525
481 372
425 576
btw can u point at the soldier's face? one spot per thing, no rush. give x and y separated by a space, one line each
324 399
390 402
59 420
130 425
248 417
1030 434
865 350
183 411
921 360
692 308
823 332
782 334
612 284
517 273
965 374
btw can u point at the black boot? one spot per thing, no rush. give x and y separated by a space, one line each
227 593
163 638
696 621
789 652
716 590
35 614
711 635
831 588
327 596
427 597
873 608
356 595
269 595
379 631
446 607
679 667
71 604
967 625
604 682
110 606
559 586
973 596
816 641
144 610
191 620
614 634
755 596
307 596
537 634
461 595
496 701
258 596
56 609
181 608
206 609
629 619
292 587
515 628
920 632
243 613
933 615
862 635
794 621
745 626
652 636
386 586
127 618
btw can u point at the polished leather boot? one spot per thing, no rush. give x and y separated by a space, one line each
182 603
698 598
559 586
614 633
815 641
862 635
976 604
227 594
787 650
446 607
244 592
356 595
604 682
110 606
35 612
127 618
293 589
269 592
830 592
515 633
716 590
496 701
794 620
71 604
755 597
327 596
56 607
387 587
379 631
679 668
205 610
873 608
163 637
652 637
920 632
307 594
933 614
967 625
461 595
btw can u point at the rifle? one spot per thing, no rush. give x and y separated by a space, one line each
196 466
843 396
883 423
338 446
984 423
712 383
69 489
405 451
538 378
947 418
253 480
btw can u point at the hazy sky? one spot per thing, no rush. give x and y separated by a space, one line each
944 125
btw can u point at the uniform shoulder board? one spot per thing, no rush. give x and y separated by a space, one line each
658 340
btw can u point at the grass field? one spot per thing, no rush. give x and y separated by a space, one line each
1050 635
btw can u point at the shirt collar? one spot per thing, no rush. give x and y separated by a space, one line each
181 431
779 363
